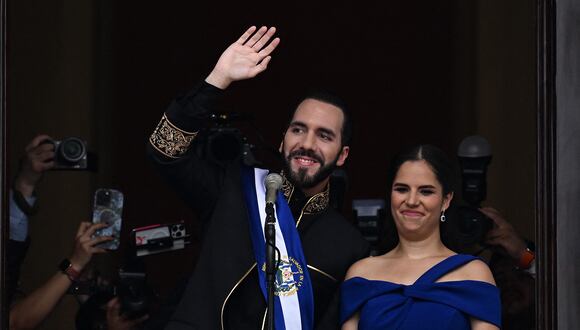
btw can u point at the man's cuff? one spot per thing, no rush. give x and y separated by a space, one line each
170 140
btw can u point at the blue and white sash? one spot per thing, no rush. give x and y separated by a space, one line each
293 298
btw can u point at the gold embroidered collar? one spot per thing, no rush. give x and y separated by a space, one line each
315 204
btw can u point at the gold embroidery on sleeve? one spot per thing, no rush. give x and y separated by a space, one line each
170 140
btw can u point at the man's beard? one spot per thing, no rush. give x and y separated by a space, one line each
300 178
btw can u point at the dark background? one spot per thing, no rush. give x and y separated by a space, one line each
394 72
412 72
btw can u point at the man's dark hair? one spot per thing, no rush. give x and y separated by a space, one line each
331 98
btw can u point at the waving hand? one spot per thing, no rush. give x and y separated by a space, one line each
245 58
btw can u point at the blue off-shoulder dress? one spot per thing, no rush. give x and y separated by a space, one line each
425 304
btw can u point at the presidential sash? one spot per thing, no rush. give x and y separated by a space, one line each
293 298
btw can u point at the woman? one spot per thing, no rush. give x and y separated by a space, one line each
420 284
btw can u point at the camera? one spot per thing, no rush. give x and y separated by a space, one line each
471 226
370 218
159 238
70 154
135 295
131 286
222 142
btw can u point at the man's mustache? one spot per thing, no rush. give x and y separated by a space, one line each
307 153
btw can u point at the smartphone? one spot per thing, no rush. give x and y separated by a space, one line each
159 238
108 208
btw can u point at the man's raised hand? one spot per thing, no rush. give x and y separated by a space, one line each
245 58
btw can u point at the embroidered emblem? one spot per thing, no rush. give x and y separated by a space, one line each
170 140
287 187
315 204
318 202
289 277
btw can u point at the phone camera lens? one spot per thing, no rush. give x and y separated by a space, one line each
104 198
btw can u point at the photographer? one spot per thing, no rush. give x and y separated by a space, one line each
29 312
115 305
513 266
36 160
476 229
505 240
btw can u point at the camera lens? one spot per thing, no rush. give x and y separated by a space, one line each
224 145
472 225
104 198
72 149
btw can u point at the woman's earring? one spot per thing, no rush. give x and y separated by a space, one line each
443 218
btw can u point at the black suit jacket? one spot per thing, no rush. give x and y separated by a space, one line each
223 291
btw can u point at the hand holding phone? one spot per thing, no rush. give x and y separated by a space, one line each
86 245
107 209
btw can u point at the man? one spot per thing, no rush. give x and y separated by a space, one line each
513 265
226 290
36 160
28 311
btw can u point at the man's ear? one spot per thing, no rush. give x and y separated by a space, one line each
281 145
343 156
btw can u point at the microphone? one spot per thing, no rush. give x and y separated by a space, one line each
273 183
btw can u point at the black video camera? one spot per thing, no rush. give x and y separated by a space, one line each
222 143
370 220
135 295
471 225
70 153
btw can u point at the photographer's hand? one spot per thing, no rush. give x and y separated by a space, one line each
84 247
503 235
118 321
35 307
245 58
38 158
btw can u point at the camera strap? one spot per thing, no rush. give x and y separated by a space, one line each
28 206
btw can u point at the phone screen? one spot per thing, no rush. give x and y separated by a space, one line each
108 208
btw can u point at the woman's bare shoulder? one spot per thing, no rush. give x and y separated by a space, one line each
367 267
475 270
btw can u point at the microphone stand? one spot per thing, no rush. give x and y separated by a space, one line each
270 235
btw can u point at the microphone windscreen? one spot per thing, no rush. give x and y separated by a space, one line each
273 183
